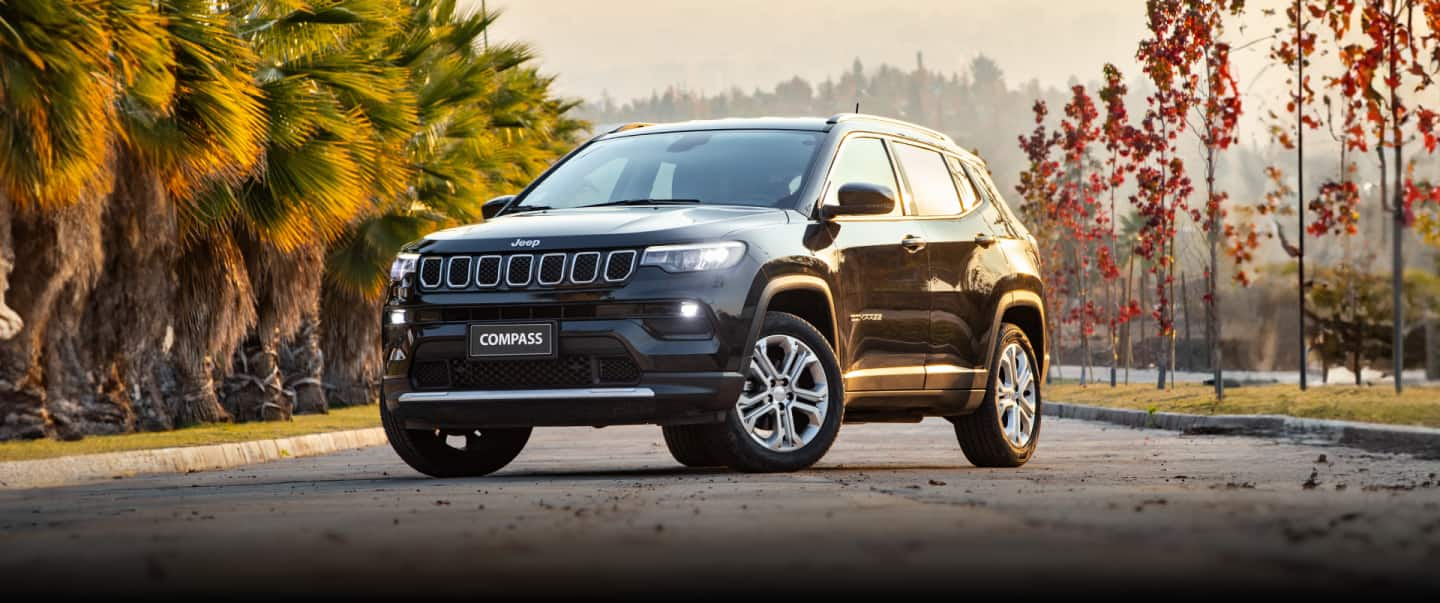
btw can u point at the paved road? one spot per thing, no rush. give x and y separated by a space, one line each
892 508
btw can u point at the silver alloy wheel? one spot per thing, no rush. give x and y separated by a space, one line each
1015 394
786 395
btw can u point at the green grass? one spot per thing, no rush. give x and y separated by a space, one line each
342 419
1418 405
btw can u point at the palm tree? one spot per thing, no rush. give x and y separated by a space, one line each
202 128
487 125
339 111
62 66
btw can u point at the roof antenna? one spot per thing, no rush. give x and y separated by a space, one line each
857 106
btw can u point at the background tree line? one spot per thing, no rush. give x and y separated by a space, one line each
199 200
1156 218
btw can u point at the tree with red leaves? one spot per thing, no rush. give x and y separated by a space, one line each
1039 189
1391 61
1080 217
1169 57
1217 111
1116 133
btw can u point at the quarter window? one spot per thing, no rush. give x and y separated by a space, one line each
862 160
969 198
930 180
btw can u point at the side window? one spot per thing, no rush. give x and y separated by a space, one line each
969 197
863 160
991 199
930 180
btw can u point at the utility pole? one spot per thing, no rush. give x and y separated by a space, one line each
1300 172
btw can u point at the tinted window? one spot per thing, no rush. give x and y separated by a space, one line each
930 180
733 167
969 198
862 160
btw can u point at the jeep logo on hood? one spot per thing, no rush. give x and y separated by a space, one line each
526 243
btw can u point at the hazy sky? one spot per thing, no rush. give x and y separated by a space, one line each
630 48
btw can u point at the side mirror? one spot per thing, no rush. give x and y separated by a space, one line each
861 199
495 206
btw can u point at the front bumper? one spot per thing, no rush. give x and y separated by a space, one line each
663 375
660 398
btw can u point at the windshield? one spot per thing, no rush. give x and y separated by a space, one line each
730 167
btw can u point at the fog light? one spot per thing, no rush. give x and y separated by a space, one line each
689 309
397 317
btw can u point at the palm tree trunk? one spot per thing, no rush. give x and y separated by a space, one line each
302 363
350 339
214 309
10 322
287 288
62 257
127 335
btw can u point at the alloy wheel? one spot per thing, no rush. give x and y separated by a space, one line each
1015 395
786 396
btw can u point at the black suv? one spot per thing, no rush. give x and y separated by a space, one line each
744 283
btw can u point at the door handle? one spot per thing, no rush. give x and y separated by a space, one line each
912 243
984 240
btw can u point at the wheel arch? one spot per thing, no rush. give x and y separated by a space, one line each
1024 309
806 296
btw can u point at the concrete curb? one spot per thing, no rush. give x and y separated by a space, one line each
69 470
1423 442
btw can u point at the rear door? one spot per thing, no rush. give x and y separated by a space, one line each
883 268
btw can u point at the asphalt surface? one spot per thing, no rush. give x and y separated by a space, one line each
891 509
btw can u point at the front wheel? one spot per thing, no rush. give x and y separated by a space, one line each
789 411
1006 428
453 453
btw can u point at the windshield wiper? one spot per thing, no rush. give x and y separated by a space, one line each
524 208
643 202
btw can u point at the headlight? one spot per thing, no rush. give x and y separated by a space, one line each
404 265
694 258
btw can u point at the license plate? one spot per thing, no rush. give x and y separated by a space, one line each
531 340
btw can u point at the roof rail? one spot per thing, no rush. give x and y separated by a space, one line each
839 117
629 126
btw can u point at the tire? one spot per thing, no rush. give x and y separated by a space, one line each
811 432
688 445
427 450
988 437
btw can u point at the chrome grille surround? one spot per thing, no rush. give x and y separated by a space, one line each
470 272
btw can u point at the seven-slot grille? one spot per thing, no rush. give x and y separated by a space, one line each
524 270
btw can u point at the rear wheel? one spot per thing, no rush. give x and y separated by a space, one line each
453 453
1006 428
687 444
789 412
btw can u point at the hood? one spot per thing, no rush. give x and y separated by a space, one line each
598 228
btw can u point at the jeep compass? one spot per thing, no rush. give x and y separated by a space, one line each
745 284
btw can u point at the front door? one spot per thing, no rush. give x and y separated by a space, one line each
884 265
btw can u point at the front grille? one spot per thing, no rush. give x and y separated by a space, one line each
517 274
458 275
487 273
552 269
585 267
430 272
619 265
525 270
570 370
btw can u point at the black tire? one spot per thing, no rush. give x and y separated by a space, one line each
981 434
687 444
732 444
426 450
